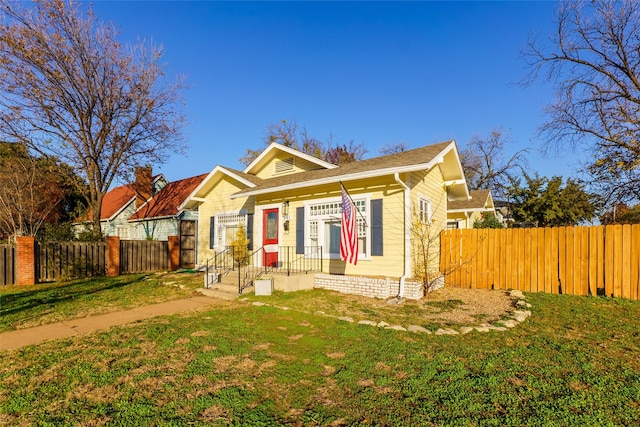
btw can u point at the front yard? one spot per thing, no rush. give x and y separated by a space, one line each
574 362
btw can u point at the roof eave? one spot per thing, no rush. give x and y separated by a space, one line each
153 218
293 152
217 168
338 178
119 211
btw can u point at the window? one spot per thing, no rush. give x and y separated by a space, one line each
324 222
227 226
424 212
123 232
127 232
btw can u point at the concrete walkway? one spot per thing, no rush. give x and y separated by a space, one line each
24 337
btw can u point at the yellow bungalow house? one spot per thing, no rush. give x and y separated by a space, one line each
463 213
289 205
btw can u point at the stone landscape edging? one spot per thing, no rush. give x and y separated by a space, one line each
516 317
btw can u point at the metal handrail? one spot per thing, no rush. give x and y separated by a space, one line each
250 267
250 274
219 264
301 263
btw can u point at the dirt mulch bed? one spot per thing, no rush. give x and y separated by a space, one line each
477 304
448 305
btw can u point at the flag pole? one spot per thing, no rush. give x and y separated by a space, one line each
354 204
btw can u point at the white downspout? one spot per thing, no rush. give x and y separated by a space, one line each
407 233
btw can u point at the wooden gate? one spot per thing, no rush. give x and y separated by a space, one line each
7 264
187 244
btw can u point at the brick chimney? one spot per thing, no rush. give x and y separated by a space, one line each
143 185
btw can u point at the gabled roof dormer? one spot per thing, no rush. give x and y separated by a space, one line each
277 160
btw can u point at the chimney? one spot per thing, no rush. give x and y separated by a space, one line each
143 185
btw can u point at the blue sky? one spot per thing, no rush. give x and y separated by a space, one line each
373 72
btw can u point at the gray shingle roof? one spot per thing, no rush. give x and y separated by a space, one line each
418 156
477 201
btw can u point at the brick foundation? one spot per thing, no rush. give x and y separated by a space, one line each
367 286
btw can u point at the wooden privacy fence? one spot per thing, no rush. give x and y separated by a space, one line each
138 256
7 264
34 262
66 260
597 260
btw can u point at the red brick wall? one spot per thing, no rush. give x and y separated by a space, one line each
26 251
113 256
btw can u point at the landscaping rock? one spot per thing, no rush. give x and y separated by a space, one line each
396 327
382 324
511 323
367 322
346 319
521 315
446 331
516 294
258 303
416 328
465 329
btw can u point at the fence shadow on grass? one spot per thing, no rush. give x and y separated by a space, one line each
48 295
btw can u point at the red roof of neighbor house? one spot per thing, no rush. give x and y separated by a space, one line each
113 201
166 201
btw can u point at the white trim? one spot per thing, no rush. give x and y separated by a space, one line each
408 266
217 215
153 218
119 211
293 152
456 182
363 255
429 205
335 179
470 210
218 168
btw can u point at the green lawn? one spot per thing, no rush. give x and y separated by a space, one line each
27 306
574 362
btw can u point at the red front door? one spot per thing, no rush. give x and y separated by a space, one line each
270 237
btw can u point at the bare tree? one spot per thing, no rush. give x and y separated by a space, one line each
594 62
428 265
486 166
30 193
69 89
290 135
398 147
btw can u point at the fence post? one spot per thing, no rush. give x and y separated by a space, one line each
26 252
174 252
113 256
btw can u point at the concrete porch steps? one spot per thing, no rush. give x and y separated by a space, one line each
226 289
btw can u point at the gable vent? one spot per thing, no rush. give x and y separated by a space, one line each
284 165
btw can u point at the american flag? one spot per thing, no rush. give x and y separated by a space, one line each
348 231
